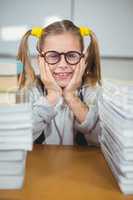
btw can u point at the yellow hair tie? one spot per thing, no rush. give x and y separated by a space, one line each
37 31
85 31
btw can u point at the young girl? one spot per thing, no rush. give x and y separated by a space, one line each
65 95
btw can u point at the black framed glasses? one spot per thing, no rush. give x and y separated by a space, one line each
71 57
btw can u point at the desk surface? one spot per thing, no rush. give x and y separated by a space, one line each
66 173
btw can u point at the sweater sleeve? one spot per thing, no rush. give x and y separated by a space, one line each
42 112
90 127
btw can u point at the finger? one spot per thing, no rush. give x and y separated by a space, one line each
49 74
51 78
76 72
80 71
75 79
42 68
48 70
85 55
82 66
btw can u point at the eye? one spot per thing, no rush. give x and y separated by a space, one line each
52 56
73 55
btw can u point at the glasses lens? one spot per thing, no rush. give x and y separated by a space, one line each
52 57
73 57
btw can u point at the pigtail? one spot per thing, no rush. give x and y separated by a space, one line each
27 76
93 69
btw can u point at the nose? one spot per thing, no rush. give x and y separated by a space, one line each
62 61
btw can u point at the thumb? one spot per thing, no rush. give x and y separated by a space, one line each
41 67
85 55
40 61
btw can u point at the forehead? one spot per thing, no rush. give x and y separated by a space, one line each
62 43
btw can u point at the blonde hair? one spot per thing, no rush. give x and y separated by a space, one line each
92 74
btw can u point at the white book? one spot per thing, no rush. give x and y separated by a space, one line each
115 154
123 141
18 116
126 154
20 107
122 121
11 182
19 122
12 167
125 184
8 67
9 155
117 94
15 146
22 125
125 108
127 180
116 126
7 98
124 167
8 83
15 139
118 86
123 149
12 95
122 105
16 132
126 146
121 100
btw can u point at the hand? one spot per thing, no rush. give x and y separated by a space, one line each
76 80
53 89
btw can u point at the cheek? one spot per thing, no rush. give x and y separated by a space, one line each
74 67
52 68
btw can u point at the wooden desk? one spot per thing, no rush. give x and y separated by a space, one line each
66 173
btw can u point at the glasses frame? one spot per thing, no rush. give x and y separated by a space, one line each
65 56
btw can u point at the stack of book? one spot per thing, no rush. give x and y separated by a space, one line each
116 114
9 71
8 77
15 133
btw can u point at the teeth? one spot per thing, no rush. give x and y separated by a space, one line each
62 74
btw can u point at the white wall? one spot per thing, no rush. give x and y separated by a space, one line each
111 20
30 13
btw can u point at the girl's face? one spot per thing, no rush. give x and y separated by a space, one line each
62 70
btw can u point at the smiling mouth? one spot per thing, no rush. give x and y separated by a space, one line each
62 75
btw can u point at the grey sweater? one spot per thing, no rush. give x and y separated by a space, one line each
58 122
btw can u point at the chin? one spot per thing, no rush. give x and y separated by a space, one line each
63 83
